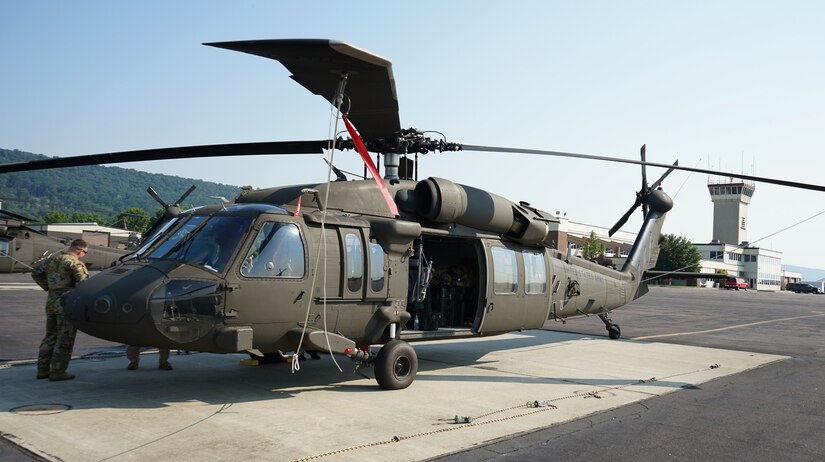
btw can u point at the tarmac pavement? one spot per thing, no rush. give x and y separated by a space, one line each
595 396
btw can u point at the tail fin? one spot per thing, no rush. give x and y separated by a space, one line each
645 251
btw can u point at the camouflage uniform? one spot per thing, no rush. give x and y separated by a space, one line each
57 274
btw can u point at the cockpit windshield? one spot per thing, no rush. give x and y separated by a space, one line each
150 241
203 241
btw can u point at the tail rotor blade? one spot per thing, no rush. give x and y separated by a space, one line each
661 178
644 176
644 171
623 219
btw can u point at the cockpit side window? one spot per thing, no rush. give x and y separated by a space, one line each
277 252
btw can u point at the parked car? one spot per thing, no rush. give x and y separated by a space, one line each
736 284
801 288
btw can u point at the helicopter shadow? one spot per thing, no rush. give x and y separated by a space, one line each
104 382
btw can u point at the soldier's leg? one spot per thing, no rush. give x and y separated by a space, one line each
163 359
133 355
44 356
64 345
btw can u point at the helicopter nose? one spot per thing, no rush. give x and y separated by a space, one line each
110 304
84 305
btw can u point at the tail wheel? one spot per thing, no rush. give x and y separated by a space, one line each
615 332
396 365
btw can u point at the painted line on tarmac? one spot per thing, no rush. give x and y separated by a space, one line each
648 337
19 286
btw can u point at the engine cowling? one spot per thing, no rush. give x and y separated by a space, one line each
442 201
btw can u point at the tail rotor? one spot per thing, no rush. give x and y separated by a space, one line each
643 195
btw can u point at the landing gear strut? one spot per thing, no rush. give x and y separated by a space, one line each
613 330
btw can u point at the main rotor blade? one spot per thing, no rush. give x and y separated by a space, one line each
184 152
185 195
372 103
792 184
156 197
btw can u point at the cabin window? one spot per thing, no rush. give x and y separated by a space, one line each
355 261
505 271
277 252
535 272
376 267
4 246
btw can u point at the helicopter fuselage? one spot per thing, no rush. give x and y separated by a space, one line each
257 277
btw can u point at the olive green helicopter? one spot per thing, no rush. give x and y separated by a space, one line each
21 245
339 266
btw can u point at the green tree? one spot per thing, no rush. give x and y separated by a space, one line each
676 253
56 217
88 217
133 219
592 248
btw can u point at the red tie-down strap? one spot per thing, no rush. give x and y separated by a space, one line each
298 207
359 146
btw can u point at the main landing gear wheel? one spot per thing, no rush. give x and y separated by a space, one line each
396 365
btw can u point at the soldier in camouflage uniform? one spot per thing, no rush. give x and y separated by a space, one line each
58 274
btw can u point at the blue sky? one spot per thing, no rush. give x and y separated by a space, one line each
730 85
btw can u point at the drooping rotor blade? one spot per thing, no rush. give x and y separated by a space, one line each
371 102
624 218
185 152
792 184
185 195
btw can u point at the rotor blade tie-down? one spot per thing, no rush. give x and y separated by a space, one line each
362 150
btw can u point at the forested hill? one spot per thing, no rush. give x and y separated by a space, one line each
95 189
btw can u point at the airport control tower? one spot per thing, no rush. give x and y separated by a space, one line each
730 210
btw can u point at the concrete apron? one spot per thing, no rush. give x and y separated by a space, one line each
212 408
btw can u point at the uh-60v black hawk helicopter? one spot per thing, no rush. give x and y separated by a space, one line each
339 266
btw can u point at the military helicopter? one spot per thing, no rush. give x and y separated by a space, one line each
22 245
339 266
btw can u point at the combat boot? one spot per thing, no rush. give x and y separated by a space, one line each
133 365
166 366
57 376
42 374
